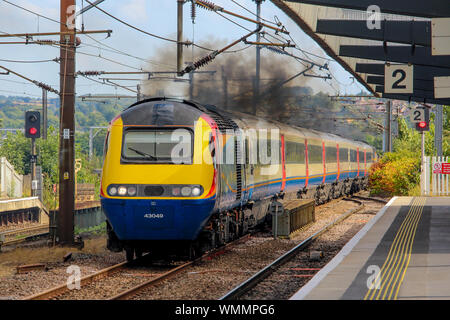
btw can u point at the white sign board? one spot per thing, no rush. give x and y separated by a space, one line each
417 115
398 78
440 36
441 87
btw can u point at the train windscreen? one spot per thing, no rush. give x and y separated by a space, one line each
158 146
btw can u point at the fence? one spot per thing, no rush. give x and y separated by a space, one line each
83 219
89 218
435 176
11 182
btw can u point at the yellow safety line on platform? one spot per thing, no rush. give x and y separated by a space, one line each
405 250
399 254
392 249
409 255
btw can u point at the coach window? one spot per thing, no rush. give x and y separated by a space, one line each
343 155
352 156
361 156
295 152
314 154
331 154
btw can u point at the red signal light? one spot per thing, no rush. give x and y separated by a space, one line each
33 130
422 124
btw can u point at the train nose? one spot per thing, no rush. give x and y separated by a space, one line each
147 219
152 216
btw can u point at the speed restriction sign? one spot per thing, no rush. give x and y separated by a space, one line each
398 78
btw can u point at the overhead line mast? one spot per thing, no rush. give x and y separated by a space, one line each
65 219
258 59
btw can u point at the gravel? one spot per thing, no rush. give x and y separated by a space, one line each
18 286
288 279
214 278
209 279
114 284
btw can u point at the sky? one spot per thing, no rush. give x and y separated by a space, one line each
155 16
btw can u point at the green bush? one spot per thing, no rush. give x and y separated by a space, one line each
395 174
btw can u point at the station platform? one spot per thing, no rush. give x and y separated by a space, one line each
403 253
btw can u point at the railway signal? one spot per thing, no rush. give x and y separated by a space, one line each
33 131
32 124
421 118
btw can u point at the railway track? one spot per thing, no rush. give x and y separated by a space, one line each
23 234
124 281
245 287
112 277
370 199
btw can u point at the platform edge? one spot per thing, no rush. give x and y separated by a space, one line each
330 266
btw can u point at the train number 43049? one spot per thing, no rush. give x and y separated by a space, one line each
154 215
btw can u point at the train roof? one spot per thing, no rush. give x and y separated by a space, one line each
255 122
250 121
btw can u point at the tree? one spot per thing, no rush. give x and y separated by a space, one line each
398 172
17 149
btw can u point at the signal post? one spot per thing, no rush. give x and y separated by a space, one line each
421 118
33 131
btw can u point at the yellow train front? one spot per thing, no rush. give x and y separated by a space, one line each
158 188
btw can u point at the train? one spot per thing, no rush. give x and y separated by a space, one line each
180 178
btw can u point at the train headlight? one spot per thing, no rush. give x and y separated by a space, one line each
112 191
186 191
132 191
126 190
122 191
196 191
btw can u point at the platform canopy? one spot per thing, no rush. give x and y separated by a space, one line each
412 37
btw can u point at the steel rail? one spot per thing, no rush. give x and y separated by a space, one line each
62 289
371 199
251 282
135 290
22 230
25 239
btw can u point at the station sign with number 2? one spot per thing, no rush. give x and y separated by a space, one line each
398 78
417 115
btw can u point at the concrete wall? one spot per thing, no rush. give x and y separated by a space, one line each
11 182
